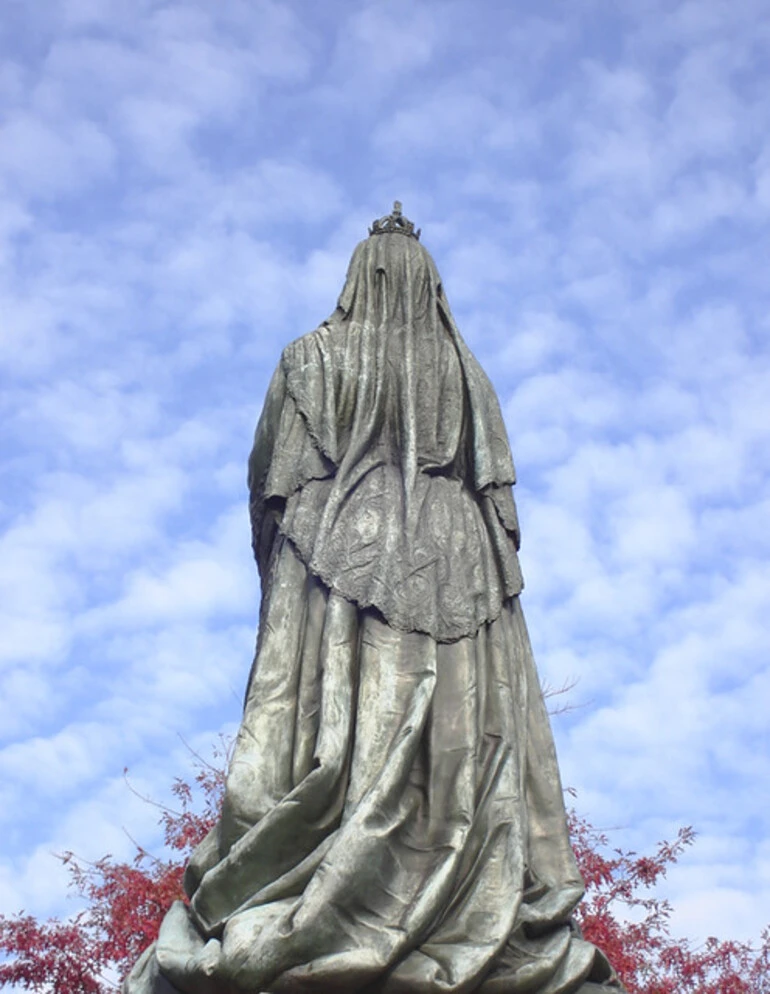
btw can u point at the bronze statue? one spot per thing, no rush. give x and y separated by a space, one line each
393 819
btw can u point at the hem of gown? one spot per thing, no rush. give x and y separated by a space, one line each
147 978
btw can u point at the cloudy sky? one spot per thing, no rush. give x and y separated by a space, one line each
181 186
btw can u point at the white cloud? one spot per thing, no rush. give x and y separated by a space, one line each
29 147
388 41
202 579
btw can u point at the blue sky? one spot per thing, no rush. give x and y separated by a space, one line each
181 187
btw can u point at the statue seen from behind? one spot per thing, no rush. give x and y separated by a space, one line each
393 820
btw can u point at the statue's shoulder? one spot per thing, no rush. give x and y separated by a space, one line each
319 345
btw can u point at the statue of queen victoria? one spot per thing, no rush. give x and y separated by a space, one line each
393 821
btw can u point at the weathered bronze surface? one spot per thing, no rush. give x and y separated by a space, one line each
394 819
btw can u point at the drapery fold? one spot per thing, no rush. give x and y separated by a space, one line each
394 818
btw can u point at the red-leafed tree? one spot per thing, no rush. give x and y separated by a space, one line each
622 915
125 903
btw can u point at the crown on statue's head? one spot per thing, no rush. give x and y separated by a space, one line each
394 224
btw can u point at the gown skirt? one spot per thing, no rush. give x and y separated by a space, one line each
393 818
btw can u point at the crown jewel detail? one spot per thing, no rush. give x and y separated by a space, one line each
394 224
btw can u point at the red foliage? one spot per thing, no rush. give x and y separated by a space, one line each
630 924
125 903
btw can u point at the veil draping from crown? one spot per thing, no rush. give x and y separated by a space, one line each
383 443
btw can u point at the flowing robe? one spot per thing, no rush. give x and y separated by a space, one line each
393 818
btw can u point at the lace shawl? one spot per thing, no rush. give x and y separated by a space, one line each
382 455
